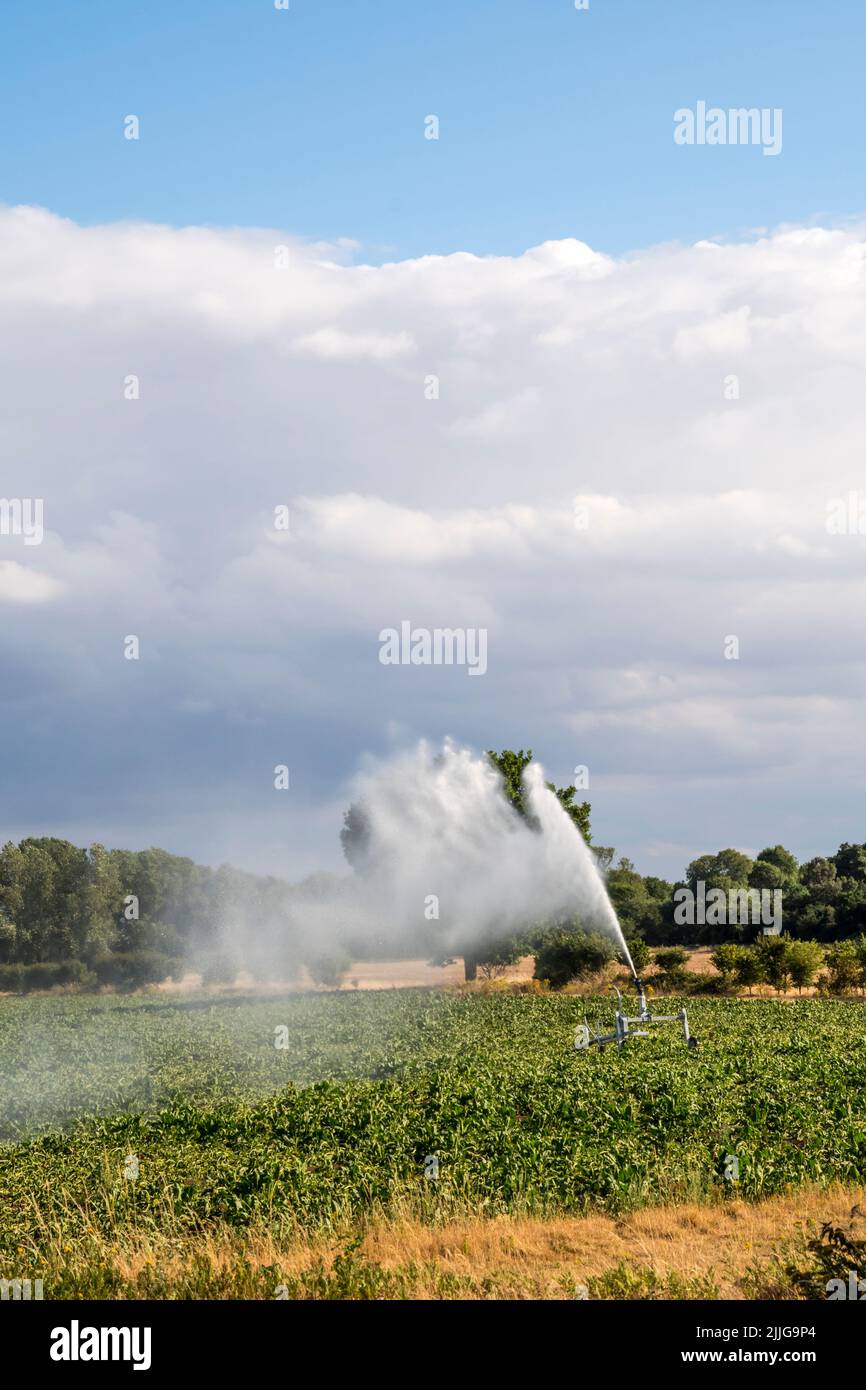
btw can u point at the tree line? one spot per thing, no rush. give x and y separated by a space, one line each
822 899
119 916
124 917
781 962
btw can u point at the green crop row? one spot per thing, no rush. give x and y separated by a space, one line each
205 1120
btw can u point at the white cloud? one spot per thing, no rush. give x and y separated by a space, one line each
20 584
499 418
566 377
334 344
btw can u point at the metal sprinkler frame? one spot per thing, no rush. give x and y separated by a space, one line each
623 1029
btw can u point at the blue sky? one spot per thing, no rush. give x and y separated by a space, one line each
554 122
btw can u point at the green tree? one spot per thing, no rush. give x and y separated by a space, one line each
496 954
7 941
499 951
749 968
850 862
671 962
356 836
628 894
104 900
781 859
843 962
819 876
492 954
766 877
805 959
511 767
727 958
774 954
328 967
639 903
727 869
850 907
565 956
817 919
640 953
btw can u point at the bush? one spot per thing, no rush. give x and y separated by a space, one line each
727 958
670 957
672 973
744 966
860 949
703 982
328 967
773 953
749 969
833 1255
805 958
131 969
510 987
640 952
845 969
564 956
22 979
219 970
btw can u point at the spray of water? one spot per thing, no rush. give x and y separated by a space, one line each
441 830
567 853
446 865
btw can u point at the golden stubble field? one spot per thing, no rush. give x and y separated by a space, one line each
420 974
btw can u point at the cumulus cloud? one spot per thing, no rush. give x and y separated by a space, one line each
624 463
20 584
339 346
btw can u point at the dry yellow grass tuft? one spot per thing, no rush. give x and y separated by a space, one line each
537 1258
730 1250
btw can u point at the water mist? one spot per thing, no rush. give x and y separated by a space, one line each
441 829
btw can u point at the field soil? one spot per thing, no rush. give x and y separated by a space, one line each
362 974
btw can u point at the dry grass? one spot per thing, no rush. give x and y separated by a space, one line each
731 1249
536 1258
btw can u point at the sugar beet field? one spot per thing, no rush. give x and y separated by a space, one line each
150 1119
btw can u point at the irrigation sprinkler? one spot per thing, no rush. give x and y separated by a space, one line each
623 1029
